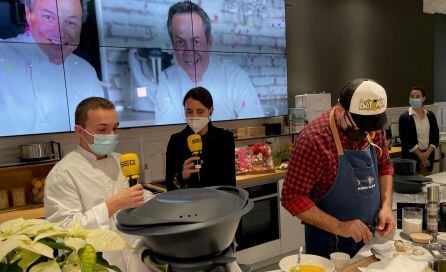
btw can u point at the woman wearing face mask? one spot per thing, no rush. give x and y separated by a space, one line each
418 130
217 155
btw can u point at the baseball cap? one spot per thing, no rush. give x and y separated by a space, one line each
366 101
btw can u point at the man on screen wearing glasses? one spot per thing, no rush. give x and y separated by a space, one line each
234 95
43 80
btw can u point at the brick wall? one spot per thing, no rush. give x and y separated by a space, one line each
256 27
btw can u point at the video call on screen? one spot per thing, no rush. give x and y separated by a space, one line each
143 56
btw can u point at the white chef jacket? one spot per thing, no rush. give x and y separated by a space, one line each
77 188
37 96
232 92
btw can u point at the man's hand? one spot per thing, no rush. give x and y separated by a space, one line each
386 222
189 167
128 198
355 229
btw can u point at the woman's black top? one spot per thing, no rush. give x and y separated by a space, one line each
408 136
218 156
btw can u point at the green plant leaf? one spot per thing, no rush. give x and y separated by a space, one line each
105 240
26 258
71 268
77 230
72 263
55 245
75 243
10 267
50 266
103 262
52 234
34 230
87 256
7 246
29 222
38 248
10 227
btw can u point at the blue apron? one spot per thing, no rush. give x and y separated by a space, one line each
355 194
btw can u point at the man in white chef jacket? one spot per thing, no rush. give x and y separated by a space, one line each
42 80
231 89
87 185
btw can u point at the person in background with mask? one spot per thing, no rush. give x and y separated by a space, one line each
339 181
87 185
418 131
218 152
42 79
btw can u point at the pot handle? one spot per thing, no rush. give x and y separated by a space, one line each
242 193
59 150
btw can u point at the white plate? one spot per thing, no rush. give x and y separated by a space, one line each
387 249
287 262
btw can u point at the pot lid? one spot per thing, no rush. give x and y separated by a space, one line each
412 178
187 206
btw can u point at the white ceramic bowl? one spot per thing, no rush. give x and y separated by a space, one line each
287 262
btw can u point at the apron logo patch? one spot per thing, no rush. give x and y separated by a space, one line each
366 184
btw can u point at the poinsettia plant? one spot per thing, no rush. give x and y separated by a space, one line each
265 150
37 245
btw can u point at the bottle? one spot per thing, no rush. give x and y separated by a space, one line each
432 209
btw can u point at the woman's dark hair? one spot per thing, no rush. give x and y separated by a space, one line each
200 94
419 88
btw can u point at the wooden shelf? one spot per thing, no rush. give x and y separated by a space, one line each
19 165
27 212
265 137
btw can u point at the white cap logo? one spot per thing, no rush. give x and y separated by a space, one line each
368 99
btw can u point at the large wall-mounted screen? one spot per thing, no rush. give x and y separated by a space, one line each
143 56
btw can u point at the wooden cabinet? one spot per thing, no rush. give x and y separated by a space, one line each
18 177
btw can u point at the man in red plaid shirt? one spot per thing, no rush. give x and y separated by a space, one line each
339 181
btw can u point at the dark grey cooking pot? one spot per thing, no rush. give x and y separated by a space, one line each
404 167
409 184
188 223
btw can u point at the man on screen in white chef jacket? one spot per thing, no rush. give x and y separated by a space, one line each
41 80
87 185
233 93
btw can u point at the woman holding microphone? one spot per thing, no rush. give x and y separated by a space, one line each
217 158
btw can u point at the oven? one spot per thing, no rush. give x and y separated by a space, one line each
261 224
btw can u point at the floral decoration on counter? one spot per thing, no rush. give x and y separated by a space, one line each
253 159
32 245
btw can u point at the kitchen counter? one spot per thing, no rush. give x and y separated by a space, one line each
242 181
439 178
248 179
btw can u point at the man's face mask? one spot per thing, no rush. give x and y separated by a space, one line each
104 144
415 102
353 132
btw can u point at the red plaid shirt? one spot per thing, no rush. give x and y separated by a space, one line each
314 163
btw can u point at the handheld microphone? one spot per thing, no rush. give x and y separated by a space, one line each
130 167
195 146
